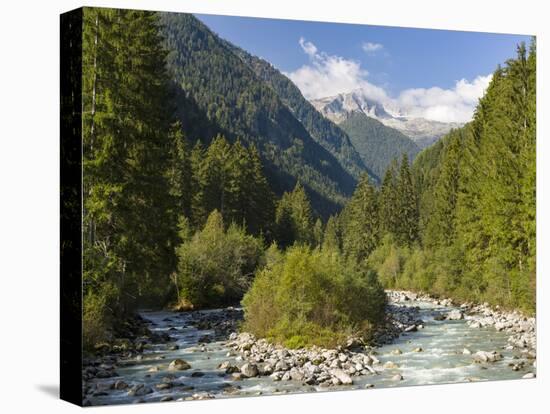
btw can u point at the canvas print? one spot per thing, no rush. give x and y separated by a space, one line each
262 206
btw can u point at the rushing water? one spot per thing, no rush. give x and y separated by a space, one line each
440 361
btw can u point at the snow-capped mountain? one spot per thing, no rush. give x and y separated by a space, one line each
423 132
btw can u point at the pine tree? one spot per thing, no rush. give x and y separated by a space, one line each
294 219
331 240
129 224
302 217
361 228
407 205
318 233
388 208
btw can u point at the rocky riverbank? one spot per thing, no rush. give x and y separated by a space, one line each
200 354
522 329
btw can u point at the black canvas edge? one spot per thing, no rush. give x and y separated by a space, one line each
71 206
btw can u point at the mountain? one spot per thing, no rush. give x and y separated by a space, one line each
377 144
423 132
321 129
218 92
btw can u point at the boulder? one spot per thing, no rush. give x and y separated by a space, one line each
178 365
484 356
529 375
120 385
139 390
397 377
455 315
281 365
249 370
342 376
296 374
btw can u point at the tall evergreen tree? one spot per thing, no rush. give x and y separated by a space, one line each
129 225
388 208
361 228
407 205
331 239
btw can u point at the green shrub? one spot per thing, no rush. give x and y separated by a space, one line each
97 316
312 297
215 267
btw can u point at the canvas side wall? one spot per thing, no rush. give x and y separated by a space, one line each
71 206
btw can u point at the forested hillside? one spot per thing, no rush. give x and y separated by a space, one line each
376 143
170 219
321 129
476 196
207 72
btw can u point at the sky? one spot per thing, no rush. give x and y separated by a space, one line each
435 74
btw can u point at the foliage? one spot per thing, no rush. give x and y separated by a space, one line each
294 218
216 266
360 221
128 210
313 297
476 191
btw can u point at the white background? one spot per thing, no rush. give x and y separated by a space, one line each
29 206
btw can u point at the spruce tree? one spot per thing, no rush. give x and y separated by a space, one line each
361 227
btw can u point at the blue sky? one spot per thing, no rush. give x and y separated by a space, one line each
407 66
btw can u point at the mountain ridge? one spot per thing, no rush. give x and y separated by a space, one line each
422 131
218 88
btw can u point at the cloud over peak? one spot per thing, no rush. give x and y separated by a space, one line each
328 75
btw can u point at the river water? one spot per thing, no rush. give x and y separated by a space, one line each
440 361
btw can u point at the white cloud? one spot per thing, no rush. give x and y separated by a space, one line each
445 105
328 75
371 48
308 47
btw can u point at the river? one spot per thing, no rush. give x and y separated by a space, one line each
440 359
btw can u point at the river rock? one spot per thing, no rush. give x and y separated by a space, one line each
396 352
455 315
178 365
139 390
529 375
249 370
342 376
390 365
419 349
265 369
397 377
120 385
276 376
296 374
281 365
466 351
484 356
237 376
